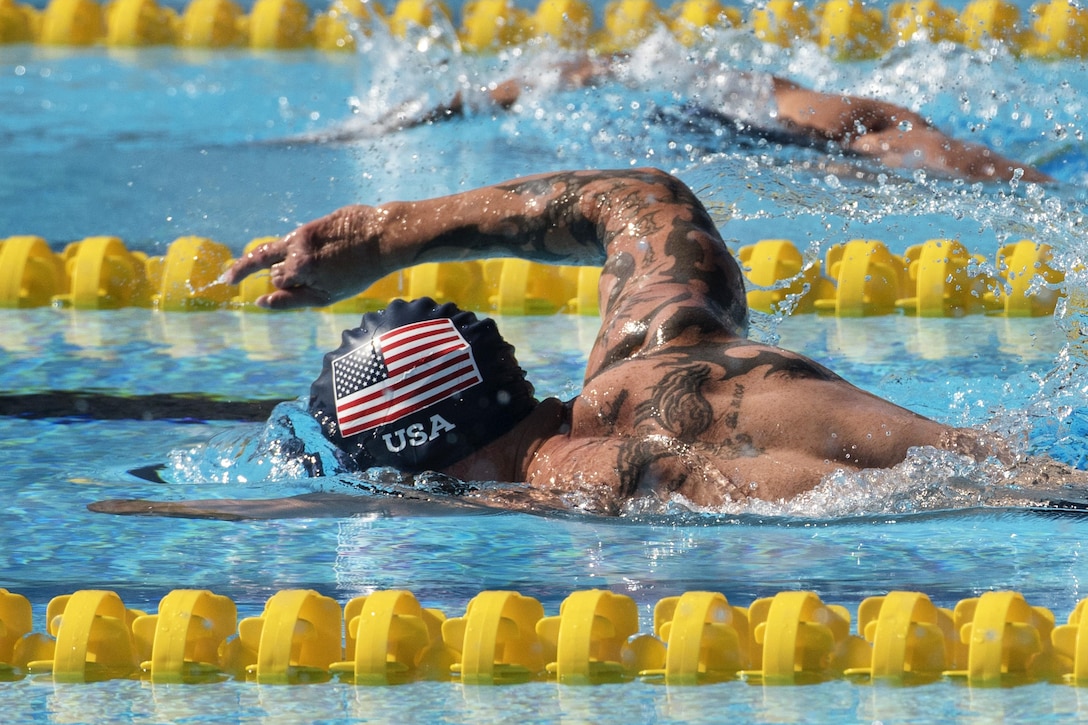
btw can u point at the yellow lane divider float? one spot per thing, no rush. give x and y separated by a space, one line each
845 29
997 639
938 278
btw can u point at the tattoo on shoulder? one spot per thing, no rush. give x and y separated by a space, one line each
609 412
732 417
677 403
774 360
658 464
634 460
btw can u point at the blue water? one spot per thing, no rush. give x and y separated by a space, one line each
155 144
233 157
52 546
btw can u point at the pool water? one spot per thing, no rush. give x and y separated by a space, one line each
154 144
55 465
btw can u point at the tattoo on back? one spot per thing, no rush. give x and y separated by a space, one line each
609 412
776 361
673 422
677 403
634 460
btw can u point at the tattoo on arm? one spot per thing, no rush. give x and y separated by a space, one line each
668 272
545 223
653 221
666 268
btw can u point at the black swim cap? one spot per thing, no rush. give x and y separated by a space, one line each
419 386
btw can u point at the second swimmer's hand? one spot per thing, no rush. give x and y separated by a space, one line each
321 262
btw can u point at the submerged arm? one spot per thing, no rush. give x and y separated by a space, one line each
339 505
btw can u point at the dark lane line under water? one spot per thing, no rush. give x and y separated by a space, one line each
89 405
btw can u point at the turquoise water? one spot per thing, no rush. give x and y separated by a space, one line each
155 144
538 703
441 703
54 466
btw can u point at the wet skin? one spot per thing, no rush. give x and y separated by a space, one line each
676 400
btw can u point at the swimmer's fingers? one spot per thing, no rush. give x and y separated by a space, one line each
293 298
263 257
292 291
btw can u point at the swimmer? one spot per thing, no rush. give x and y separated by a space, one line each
763 105
677 403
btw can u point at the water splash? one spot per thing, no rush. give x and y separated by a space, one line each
288 447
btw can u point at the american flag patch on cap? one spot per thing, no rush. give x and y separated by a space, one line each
399 373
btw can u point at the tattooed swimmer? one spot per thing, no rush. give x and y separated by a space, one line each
676 400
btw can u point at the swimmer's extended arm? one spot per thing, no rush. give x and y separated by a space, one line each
303 506
666 267
484 500
891 134
309 505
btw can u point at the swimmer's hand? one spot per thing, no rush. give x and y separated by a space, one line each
324 261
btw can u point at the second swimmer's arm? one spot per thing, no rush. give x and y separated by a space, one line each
894 135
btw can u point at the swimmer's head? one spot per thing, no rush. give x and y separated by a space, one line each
419 386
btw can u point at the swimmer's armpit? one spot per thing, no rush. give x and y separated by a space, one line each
308 505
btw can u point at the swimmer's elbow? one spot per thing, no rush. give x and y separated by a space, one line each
650 187
657 177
